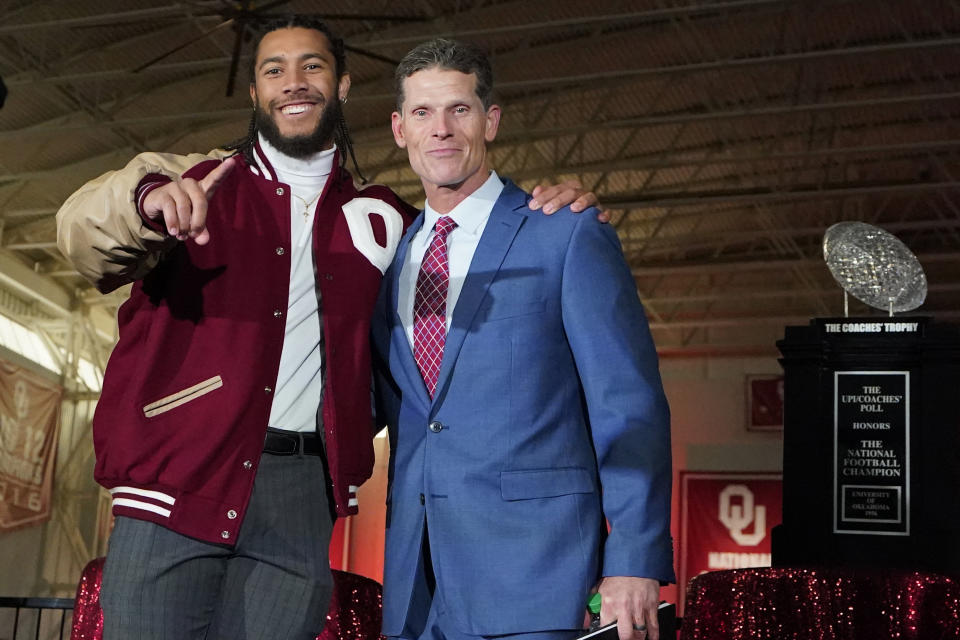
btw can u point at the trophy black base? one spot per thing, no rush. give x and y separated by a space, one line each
871 469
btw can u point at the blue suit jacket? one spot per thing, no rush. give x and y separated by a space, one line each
549 391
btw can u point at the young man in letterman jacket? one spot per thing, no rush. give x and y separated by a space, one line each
234 422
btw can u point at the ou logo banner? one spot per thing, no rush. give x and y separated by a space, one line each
738 516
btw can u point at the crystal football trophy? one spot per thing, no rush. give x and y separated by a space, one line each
874 267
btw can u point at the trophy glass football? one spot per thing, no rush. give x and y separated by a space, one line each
874 267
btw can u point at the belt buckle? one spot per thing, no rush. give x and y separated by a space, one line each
291 444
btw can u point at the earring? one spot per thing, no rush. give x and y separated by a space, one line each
343 100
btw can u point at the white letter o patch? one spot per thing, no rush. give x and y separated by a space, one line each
357 213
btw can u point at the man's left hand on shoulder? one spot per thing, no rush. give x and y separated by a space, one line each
633 603
554 197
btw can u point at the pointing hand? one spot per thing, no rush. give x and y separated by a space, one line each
183 204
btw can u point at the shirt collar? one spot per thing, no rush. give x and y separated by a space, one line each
470 213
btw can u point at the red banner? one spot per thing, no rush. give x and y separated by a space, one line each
29 429
725 520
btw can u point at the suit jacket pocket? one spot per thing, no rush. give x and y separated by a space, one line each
492 309
544 483
181 397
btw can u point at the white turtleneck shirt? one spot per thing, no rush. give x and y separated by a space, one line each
299 387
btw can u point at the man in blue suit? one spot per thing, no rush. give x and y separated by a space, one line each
520 385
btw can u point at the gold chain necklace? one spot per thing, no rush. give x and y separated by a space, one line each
306 205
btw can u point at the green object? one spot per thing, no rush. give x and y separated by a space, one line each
593 604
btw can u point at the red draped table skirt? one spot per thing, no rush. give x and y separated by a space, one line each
355 608
821 604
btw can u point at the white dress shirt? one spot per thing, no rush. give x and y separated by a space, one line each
299 387
471 216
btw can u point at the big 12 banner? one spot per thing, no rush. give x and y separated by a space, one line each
725 520
29 429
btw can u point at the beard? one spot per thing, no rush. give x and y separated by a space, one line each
305 145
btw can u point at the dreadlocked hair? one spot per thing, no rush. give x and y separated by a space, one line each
345 143
341 134
245 144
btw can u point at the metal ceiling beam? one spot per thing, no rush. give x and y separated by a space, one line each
218 64
18 277
210 63
734 210
107 19
759 264
652 15
57 126
805 192
73 99
590 79
104 19
639 163
80 171
617 18
695 241
772 294
643 163
779 110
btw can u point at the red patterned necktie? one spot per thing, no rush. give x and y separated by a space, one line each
430 305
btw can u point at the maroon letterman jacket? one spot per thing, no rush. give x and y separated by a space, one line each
187 393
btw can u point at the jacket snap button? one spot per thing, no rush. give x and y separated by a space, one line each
279 191
436 427
247 465
279 251
277 313
224 534
232 514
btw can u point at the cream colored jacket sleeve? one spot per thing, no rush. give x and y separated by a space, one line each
100 231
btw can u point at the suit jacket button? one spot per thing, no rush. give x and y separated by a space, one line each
423 500
436 427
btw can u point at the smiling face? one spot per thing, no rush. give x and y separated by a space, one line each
296 91
445 129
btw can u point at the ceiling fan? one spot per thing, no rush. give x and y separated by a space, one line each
244 18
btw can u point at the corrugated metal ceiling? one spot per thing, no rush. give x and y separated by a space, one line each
726 135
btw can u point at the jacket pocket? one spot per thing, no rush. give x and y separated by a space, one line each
544 483
181 397
496 310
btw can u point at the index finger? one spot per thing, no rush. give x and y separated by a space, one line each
212 180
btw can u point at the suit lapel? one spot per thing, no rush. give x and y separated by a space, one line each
502 227
400 347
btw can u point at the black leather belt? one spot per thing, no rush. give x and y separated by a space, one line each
280 442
